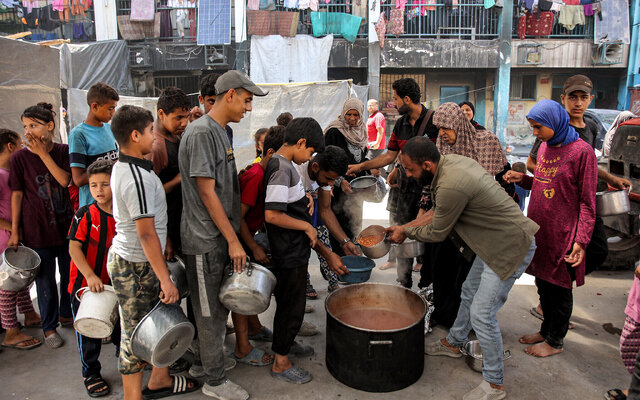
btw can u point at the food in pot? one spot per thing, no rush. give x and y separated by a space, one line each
370 241
375 319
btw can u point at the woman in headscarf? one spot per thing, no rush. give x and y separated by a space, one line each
470 111
350 134
563 195
608 137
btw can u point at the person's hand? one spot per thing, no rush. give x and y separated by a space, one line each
195 113
310 205
395 234
238 256
576 256
336 265
375 172
392 178
351 249
169 252
313 235
95 283
169 293
354 169
637 272
14 241
260 255
619 183
36 145
512 176
346 186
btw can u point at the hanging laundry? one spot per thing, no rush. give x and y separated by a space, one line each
489 3
343 24
253 4
556 7
360 9
571 2
538 24
304 4
313 5
166 30
396 22
192 20
588 10
45 20
545 5
10 3
267 5
143 10
264 23
291 3
570 16
78 31
381 29
597 9
30 18
131 30
400 4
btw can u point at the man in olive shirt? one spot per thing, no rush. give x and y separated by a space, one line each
469 200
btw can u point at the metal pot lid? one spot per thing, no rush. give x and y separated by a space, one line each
173 344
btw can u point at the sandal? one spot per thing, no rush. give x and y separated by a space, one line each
615 394
254 358
96 386
54 340
294 374
23 347
311 292
180 386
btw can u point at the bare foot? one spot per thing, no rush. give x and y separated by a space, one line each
32 319
14 337
388 265
531 339
417 267
542 350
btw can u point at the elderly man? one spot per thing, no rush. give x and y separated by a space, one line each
375 128
469 201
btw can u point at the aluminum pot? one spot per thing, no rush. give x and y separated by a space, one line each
473 355
378 250
614 202
163 335
19 268
178 276
248 292
367 188
375 336
98 312
408 249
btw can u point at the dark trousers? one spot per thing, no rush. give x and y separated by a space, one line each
597 250
290 301
50 308
634 388
557 305
89 348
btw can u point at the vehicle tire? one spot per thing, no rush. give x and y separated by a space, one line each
624 252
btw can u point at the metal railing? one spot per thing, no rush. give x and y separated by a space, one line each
304 22
77 28
169 22
558 31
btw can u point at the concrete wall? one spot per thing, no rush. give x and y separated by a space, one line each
440 53
569 53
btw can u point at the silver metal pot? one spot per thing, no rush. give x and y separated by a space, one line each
249 292
473 354
367 188
163 335
408 249
178 276
378 250
613 202
19 268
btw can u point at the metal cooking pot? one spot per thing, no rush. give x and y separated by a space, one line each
378 250
613 202
473 354
407 249
367 188
163 335
249 292
98 312
178 276
375 336
19 268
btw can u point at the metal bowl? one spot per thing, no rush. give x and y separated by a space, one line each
378 250
473 354
614 202
178 276
359 269
367 188
408 249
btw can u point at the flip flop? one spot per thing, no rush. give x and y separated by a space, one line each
264 335
294 374
254 358
535 313
311 292
180 386
18 347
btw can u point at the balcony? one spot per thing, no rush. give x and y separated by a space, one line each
77 26
559 32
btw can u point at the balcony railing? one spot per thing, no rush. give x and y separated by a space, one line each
172 17
75 27
560 32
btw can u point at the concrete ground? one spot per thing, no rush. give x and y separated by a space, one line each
589 366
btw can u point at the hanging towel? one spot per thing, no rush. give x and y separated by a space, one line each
538 24
570 16
132 30
588 10
400 4
381 29
343 24
489 3
396 22
267 5
143 10
264 23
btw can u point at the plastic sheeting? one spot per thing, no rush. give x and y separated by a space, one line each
321 100
82 65
78 108
277 59
27 79
614 26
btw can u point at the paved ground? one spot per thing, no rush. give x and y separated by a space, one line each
590 365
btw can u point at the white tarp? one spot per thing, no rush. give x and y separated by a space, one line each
106 21
277 59
374 17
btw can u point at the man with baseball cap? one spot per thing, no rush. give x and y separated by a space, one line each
576 97
211 221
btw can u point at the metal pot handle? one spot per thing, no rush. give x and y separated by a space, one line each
378 343
78 291
249 266
463 350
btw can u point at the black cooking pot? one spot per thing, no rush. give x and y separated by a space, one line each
375 336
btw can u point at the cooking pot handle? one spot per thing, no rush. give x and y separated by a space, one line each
249 266
78 291
464 351
378 343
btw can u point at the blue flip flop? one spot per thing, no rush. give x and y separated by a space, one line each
254 358
294 374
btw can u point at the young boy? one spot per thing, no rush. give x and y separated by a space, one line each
90 236
136 261
93 140
207 98
291 237
173 116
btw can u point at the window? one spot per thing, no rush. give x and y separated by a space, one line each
523 87
454 94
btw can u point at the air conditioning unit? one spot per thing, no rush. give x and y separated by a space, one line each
214 55
608 53
529 54
140 57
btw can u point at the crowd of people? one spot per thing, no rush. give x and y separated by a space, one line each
131 192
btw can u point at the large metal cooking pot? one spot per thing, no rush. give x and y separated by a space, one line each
178 276
98 312
407 249
473 353
375 336
248 292
163 335
613 202
367 188
378 250
18 268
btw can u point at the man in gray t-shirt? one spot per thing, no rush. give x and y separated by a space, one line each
211 222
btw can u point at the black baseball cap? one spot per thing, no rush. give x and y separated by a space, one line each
235 80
